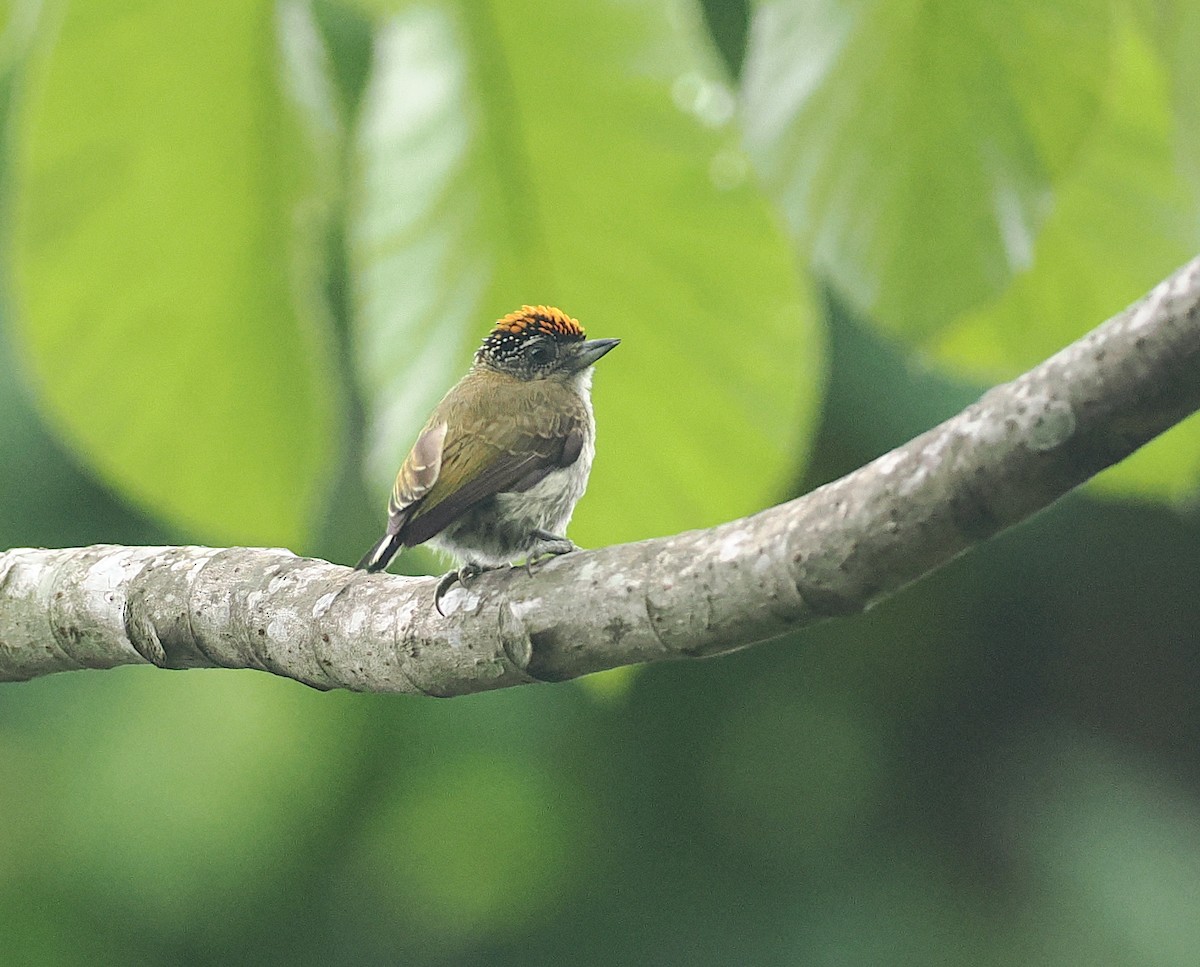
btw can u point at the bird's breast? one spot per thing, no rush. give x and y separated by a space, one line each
548 505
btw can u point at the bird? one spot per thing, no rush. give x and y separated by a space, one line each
496 472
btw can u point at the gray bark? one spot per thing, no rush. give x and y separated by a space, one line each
833 552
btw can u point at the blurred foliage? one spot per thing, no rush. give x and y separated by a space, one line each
915 146
160 222
249 246
611 182
1127 186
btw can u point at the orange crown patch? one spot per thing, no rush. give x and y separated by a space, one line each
540 319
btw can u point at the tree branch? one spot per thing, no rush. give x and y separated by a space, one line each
833 552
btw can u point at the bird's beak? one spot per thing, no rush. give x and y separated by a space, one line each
588 352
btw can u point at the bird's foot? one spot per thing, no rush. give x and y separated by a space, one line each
462 576
551 546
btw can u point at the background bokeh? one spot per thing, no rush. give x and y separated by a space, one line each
248 245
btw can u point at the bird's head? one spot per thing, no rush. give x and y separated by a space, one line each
540 342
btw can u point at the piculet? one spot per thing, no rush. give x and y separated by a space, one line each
498 469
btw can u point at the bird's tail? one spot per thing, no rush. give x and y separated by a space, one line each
379 556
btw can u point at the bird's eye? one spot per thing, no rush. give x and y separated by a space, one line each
541 355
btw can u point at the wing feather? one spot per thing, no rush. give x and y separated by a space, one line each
451 469
417 474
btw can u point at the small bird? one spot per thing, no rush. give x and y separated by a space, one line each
497 471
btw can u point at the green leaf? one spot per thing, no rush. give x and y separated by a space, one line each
1177 30
913 144
582 155
1125 220
165 213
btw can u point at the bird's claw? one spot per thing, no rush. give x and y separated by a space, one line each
460 576
449 579
552 546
